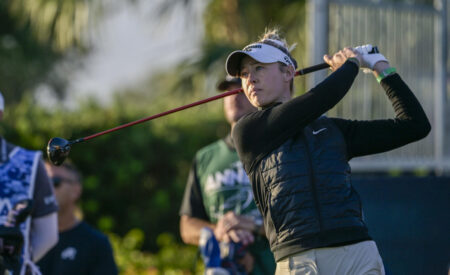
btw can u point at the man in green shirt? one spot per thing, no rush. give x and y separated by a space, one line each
218 194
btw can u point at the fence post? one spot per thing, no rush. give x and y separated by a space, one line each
318 37
440 82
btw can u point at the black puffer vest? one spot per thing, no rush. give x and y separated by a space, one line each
307 199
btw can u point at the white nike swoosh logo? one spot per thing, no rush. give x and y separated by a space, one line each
318 131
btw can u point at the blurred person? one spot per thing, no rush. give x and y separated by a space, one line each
297 159
23 177
218 194
81 249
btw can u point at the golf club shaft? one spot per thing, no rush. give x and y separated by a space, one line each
236 91
228 93
311 69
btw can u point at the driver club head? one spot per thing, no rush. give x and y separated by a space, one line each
57 150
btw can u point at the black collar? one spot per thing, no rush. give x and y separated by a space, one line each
269 106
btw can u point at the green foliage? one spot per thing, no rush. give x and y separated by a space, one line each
132 261
129 258
133 178
23 60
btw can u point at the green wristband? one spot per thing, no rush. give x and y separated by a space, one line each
385 73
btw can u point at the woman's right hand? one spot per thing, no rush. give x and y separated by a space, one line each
336 60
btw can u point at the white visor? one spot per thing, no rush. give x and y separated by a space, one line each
260 52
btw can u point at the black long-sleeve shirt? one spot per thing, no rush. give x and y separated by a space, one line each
259 133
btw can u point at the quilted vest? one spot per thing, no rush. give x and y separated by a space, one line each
307 199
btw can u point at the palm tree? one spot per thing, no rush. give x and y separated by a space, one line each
34 35
59 23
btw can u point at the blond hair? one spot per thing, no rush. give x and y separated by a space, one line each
274 34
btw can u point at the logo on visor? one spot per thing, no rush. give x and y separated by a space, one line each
288 60
249 48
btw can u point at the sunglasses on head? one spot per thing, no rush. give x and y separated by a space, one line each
57 181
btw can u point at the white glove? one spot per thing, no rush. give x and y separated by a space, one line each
369 57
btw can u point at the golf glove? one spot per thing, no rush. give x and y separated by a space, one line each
369 57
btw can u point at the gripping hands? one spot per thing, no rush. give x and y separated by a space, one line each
369 57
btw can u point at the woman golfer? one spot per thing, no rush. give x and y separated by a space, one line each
297 159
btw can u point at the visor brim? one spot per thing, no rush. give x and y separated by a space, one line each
269 55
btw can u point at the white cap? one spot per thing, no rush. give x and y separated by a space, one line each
267 51
2 102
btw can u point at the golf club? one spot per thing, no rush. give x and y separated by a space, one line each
58 148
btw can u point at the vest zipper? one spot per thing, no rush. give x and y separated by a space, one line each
313 182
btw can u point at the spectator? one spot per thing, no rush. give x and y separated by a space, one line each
81 249
297 159
218 194
23 177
